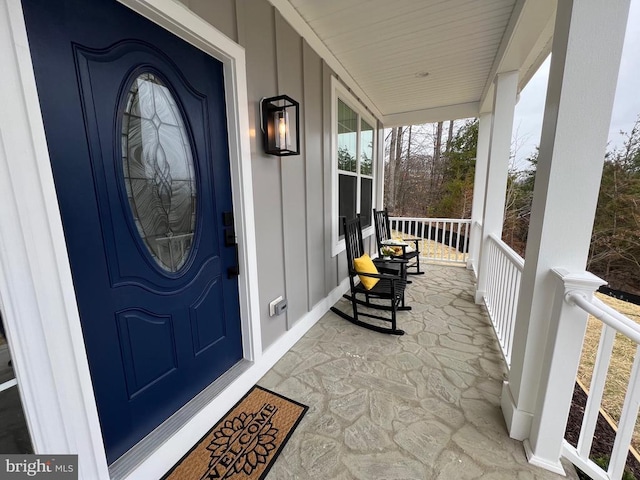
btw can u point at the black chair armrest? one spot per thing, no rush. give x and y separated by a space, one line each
390 260
414 240
386 276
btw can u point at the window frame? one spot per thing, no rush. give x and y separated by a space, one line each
340 92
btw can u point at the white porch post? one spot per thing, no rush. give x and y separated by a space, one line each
586 50
504 104
564 343
479 183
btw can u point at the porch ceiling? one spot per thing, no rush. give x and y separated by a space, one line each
386 47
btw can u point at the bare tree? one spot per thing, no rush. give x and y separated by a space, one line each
449 139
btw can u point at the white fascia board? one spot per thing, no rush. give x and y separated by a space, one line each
507 38
291 15
432 115
525 46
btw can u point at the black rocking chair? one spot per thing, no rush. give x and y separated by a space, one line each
390 287
383 238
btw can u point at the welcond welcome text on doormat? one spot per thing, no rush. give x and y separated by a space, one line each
245 443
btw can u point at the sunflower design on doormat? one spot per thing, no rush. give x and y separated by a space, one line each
242 444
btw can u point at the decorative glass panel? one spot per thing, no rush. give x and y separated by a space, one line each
159 171
366 145
347 137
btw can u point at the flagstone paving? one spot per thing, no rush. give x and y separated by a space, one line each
425 405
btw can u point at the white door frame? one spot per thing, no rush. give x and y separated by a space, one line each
38 299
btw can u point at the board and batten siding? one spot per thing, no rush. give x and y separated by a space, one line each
292 195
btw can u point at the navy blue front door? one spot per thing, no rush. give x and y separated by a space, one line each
136 128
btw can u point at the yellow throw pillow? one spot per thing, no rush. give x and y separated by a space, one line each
364 264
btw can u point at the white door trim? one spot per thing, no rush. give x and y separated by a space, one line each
36 288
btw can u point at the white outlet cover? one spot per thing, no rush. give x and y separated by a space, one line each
272 306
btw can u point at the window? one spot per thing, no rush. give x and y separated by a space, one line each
354 153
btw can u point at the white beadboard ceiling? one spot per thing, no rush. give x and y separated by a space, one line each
386 46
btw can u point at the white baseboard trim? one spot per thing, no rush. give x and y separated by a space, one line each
169 453
518 422
555 467
479 297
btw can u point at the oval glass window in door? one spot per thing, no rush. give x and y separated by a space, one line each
159 172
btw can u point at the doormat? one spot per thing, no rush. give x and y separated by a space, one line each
245 443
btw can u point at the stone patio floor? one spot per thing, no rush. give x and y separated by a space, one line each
425 405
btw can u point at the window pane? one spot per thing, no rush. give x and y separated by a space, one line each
347 205
366 201
366 144
347 137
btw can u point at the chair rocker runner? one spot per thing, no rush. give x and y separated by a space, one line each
384 239
388 288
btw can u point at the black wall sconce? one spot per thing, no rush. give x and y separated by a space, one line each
280 117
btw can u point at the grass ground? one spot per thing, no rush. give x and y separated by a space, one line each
624 351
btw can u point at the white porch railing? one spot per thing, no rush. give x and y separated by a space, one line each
443 239
504 272
613 322
474 247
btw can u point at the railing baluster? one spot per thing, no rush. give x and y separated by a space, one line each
434 240
450 230
501 301
596 390
499 288
458 240
445 241
487 298
627 421
504 300
494 287
467 238
513 294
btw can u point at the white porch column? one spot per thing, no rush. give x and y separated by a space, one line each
587 46
564 342
479 183
504 104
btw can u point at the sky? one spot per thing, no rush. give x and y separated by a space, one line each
528 115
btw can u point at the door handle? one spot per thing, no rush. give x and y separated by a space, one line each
235 270
229 237
230 241
227 219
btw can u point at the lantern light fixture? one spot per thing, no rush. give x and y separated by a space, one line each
280 124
